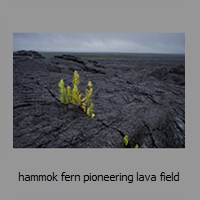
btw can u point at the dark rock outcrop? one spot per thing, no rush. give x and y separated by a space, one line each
142 99
27 54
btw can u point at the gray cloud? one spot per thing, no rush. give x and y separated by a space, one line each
101 42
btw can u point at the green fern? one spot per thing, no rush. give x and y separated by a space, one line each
126 140
90 110
75 97
62 90
70 95
75 79
136 146
87 99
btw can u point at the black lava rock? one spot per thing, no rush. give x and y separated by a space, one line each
142 99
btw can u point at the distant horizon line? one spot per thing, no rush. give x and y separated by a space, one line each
98 52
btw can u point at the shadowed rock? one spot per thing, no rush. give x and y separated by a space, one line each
142 99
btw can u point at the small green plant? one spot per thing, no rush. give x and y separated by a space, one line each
126 141
75 97
62 90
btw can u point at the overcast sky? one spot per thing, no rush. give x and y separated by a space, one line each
101 42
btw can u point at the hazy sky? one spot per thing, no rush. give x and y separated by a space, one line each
101 42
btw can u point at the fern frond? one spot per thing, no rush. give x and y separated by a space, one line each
79 100
126 140
90 84
62 91
136 146
75 79
90 109
88 94
70 95
75 93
